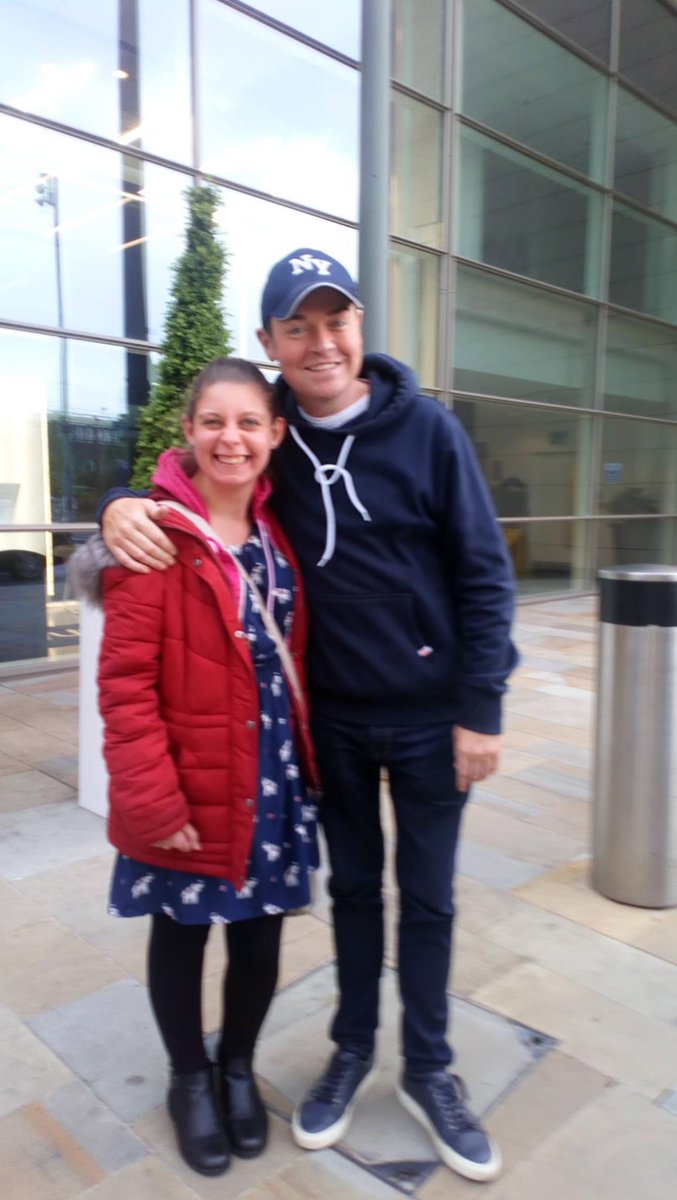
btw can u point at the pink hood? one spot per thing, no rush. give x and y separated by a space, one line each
171 476
171 480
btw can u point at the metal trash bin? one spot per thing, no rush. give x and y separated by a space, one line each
635 786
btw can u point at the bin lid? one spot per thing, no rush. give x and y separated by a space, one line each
641 572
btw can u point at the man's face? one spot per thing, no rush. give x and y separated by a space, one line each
320 351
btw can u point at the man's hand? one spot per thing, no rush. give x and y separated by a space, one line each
476 756
185 839
129 530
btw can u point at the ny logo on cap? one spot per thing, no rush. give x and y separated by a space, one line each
306 262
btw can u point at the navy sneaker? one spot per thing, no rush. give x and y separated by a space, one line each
437 1100
324 1114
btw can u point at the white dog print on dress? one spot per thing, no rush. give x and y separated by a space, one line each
291 875
247 890
271 851
142 886
191 894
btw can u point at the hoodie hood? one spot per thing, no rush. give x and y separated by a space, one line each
173 477
392 385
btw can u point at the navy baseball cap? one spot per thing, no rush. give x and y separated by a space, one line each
297 275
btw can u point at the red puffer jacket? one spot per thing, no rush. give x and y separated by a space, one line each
179 698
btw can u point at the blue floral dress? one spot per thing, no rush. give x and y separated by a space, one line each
284 850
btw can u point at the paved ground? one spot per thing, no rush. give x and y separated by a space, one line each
565 1017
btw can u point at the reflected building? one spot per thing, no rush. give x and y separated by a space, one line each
533 247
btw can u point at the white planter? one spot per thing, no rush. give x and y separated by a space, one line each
93 783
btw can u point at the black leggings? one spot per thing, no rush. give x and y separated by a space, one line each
175 958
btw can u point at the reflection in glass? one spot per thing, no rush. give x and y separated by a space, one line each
38 616
415 186
60 60
334 22
59 459
523 84
418 45
641 368
646 155
585 22
523 217
164 78
515 340
115 222
414 311
533 459
648 49
107 68
547 556
643 271
304 148
639 467
621 542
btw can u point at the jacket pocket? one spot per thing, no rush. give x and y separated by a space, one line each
369 646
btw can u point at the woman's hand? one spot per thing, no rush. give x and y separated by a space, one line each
131 534
185 839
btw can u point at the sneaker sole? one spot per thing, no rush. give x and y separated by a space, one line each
479 1172
333 1133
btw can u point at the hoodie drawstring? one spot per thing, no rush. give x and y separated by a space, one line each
327 474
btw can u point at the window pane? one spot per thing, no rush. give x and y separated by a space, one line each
257 234
334 22
520 82
164 75
418 45
87 236
414 311
643 272
513 340
639 467
304 148
415 185
73 436
517 215
97 68
648 51
548 556
646 155
59 58
641 368
622 542
585 22
535 462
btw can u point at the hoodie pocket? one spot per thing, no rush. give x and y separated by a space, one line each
369 646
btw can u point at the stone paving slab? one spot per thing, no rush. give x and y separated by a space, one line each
108 1141
52 835
28 1068
109 1039
492 1054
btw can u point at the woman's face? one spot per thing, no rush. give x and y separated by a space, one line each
232 433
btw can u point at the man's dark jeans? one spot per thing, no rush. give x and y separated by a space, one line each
428 810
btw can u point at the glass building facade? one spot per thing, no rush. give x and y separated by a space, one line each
533 240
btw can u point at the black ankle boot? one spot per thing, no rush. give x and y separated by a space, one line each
245 1117
192 1104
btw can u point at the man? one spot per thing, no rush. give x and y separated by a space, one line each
410 596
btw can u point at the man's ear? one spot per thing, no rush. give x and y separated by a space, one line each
267 343
279 429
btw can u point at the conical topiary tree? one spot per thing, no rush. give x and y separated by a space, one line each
195 332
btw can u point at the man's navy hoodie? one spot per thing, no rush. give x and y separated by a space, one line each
409 585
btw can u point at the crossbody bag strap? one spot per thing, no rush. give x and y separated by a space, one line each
269 621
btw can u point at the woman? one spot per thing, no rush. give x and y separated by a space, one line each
208 808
